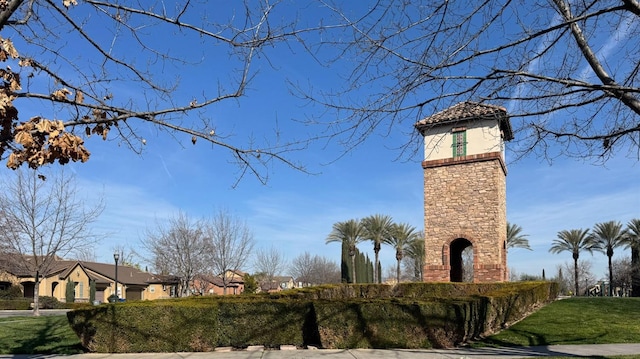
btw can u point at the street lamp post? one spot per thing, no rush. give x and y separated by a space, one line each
116 256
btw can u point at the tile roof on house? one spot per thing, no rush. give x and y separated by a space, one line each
100 272
468 111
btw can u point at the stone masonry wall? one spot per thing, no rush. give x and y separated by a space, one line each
466 198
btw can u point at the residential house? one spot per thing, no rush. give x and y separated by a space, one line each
214 285
133 284
278 283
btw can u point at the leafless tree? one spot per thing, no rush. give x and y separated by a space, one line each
314 269
270 263
567 71
622 271
179 247
467 264
230 244
585 276
111 69
127 256
86 255
44 221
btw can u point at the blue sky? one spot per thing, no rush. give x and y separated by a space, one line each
295 211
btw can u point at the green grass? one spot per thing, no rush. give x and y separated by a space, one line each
38 335
575 321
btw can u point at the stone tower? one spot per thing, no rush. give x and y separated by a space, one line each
465 191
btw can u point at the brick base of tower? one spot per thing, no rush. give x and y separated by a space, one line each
485 273
465 199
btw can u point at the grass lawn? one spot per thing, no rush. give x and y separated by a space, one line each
575 321
38 335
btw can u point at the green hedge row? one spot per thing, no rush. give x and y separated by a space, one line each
14 304
343 316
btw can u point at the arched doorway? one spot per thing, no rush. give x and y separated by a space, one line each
456 263
54 285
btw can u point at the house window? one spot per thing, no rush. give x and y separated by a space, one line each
152 289
459 142
80 290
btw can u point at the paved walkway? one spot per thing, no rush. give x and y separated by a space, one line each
460 353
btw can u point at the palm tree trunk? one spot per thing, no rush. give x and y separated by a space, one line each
575 275
635 272
398 272
353 268
375 267
610 277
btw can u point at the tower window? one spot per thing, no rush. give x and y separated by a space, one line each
459 142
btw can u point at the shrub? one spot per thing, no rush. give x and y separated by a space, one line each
337 316
15 304
12 292
49 303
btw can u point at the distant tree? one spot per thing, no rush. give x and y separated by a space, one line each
400 237
178 247
44 220
515 237
467 264
529 277
633 241
230 244
250 284
562 283
573 241
314 269
606 237
622 274
415 255
376 229
350 234
585 275
271 262
127 255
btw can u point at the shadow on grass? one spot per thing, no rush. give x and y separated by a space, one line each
528 338
50 338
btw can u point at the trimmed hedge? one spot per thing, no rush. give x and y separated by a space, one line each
412 315
14 304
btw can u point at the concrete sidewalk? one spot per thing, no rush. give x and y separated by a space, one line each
458 353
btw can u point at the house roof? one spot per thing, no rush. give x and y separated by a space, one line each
100 272
217 281
468 111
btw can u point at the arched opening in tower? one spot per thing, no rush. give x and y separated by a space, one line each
461 260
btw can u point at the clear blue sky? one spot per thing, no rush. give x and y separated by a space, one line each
295 211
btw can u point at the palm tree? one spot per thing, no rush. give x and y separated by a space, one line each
400 237
515 238
416 251
376 229
574 241
349 233
633 242
606 237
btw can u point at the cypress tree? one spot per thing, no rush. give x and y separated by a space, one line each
92 290
345 265
70 292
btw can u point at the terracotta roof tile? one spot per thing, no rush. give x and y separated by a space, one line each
468 111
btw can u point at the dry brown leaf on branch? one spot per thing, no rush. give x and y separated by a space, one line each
79 97
68 3
61 94
7 50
